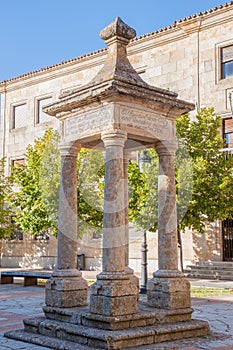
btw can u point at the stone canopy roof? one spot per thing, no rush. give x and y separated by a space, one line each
118 80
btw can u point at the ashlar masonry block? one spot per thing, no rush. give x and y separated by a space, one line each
169 293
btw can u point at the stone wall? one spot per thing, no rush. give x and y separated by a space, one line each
30 253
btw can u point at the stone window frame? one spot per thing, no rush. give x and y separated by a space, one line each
17 160
14 160
219 48
12 114
227 135
37 108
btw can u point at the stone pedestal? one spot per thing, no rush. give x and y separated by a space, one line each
113 297
66 287
169 292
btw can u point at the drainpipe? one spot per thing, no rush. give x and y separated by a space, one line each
198 67
4 123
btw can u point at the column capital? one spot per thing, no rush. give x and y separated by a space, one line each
166 148
69 149
114 138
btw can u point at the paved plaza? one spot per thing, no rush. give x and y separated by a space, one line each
18 302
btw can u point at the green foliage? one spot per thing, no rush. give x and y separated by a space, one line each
49 180
143 193
204 178
211 175
90 167
36 198
6 226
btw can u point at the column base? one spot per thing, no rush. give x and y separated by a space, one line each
134 280
168 292
113 295
66 288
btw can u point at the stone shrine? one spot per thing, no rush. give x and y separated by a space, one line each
117 112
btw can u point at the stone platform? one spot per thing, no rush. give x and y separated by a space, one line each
66 328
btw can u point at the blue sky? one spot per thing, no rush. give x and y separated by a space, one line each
39 33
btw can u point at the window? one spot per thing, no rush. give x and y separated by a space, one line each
19 119
228 132
226 61
19 161
42 117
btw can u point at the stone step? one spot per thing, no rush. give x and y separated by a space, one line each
200 275
208 267
41 340
225 264
61 335
145 316
210 272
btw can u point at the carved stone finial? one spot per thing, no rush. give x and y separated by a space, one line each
118 28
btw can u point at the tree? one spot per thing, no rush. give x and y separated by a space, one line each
143 193
203 176
37 181
90 168
204 179
210 171
37 197
6 225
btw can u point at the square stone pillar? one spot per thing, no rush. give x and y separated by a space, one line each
168 289
66 287
113 294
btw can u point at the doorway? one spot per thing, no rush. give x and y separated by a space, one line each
227 235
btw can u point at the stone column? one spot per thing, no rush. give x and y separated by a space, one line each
133 279
168 289
113 294
67 288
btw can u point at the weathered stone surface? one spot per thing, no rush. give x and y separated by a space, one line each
67 215
66 288
165 293
110 306
118 28
66 298
143 317
78 334
66 284
113 288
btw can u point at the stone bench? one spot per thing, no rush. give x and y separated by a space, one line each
30 277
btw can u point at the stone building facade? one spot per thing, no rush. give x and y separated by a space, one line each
193 57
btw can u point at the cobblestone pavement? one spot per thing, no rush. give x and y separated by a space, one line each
18 302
